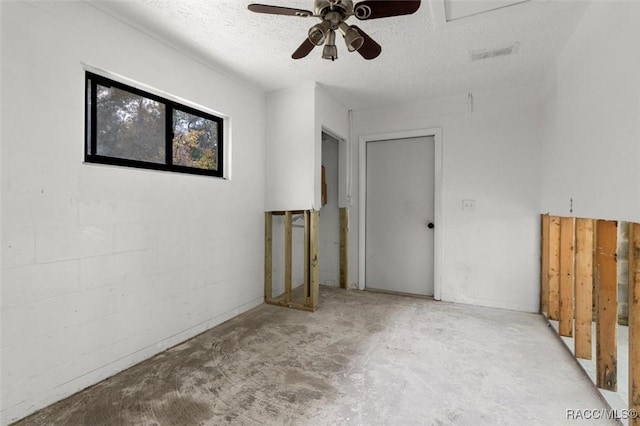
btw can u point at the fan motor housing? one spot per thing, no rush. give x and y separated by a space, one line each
322 7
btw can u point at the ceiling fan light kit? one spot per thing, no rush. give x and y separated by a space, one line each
318 33
352 37
330 51
333 14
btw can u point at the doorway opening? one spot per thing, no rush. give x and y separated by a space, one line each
329 253
334 214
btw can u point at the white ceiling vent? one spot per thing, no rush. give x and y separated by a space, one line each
478 55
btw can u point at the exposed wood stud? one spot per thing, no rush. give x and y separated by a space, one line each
567 257
584 286
544 268
344 255
268 255
594 290
607 306
288 255
634 321
307 266
313 249
311 271
554 268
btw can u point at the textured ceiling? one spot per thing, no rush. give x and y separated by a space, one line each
423 55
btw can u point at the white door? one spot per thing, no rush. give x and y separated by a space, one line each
399 215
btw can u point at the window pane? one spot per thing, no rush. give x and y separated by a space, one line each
130 126
195 141
126 126
88 118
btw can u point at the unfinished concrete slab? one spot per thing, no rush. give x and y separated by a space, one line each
361 359
618 400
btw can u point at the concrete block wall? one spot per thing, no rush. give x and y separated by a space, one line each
103 267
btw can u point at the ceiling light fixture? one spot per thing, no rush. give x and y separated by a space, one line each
333 14
318 33
352 37
330 50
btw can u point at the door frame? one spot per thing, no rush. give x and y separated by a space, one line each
436 133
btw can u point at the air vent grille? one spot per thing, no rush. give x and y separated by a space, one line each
479 55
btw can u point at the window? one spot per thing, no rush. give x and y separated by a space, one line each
126 126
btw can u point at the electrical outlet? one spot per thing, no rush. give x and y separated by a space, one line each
468 205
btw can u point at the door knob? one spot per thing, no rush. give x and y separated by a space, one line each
430 225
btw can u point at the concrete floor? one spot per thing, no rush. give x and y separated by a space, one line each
362 359
617 400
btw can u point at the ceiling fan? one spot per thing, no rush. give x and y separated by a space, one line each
333 14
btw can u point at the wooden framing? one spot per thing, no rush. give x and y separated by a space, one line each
313 257
268 255
288 255
544 266
583 287
554 268
307 260
607 305
588 279
567 235
634 321
344 255
311 270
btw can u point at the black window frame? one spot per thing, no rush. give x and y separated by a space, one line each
91 130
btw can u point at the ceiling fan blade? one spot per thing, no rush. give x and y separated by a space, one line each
373 9
278 10
305 48
369 49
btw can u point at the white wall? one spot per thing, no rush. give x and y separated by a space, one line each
290 171
490 255
332 117
105 266
291 149
296 119
591 149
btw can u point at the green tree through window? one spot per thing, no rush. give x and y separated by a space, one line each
130 126
195 141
